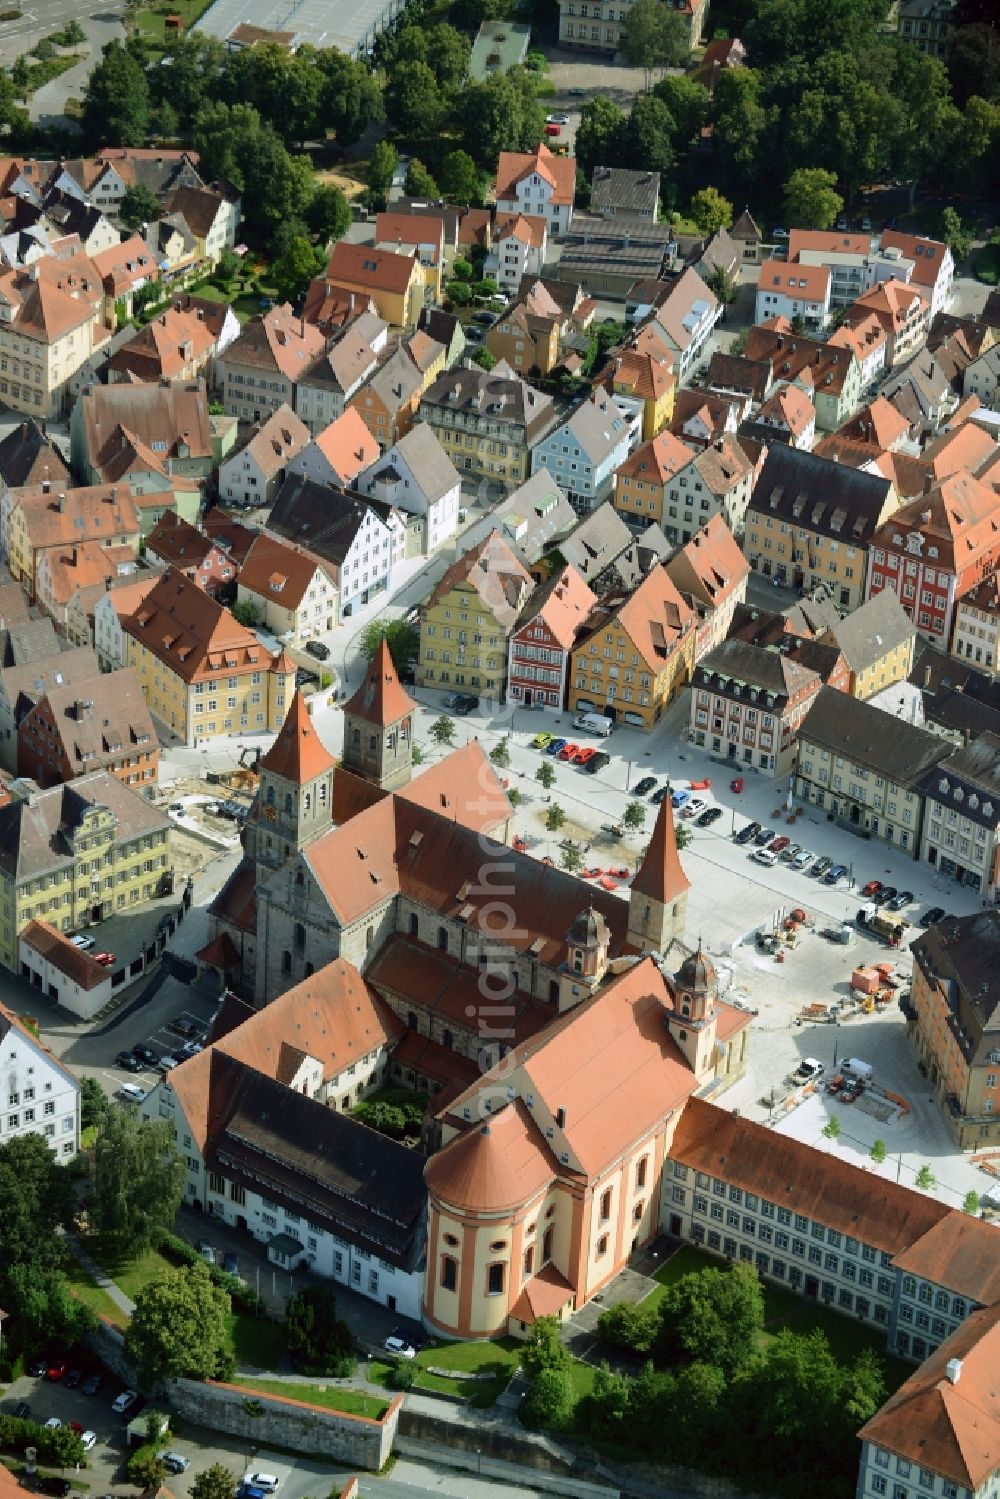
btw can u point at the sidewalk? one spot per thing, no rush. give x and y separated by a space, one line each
123 1302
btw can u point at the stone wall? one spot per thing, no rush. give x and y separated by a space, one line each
354 1441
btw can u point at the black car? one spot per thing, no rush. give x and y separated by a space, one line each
661 795
901 901
465 704
318 649
710 815
146 1054
750 831
931 917
183 1025
37 1367
73 1378
59 1487
763 835
885 896
22 1410
645 786
304 677
91 1384
128 1062
597 762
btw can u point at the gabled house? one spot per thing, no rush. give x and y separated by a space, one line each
123 269
518 247
717 480
175 345
175 543
61 572
295 594
702 417
336 374
748 702
648 378
539 647
53 310
338 453
261 370
359 540
526 335
641 481
468 618
537 182
387 402
252 475
904 313
617 191
868 343
682 322
419 235
29 456
933 265
710 573
487 423
41 516
417 478
396 283
211 213
584 453
172 245
100 723
787 416
829 371
787 290
877 641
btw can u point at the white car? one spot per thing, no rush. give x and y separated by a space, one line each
557 119
765 856
400 1347
175 1462
124 1402
266 1481
803 859
694 807
89 1439
53 1423
82 942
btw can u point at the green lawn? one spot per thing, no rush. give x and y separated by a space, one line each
351 1402
83 1284
128 1273
149 20
246 305
499 1358
255 1342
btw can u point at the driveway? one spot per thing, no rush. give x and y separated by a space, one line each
572 74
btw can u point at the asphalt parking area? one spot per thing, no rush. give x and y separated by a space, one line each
166 1039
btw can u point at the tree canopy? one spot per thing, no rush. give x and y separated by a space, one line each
116 100
138 1177
178 1327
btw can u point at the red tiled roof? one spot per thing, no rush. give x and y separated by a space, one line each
381 699
297 754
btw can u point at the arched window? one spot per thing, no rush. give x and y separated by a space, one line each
309 971
411 1020
286 962
300 935
553 991
289 804
270 796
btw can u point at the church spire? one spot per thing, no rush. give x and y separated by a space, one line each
378 725
297 754
381 699
658 898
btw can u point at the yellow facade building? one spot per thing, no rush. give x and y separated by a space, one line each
203 675
77 854
649 378
635 654
877 641
487 423
468 618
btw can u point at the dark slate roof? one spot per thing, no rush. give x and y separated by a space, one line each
966 950
315 1162
600 538
620 190
878 626
759 668
28 456
969 781
891 746
28 640
34 830
815 494
319 517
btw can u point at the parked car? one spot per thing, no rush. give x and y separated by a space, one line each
146 1054
809 1068
82 942
175 1462
463 703
184 1026
473 335
660 795
765 856
887 894
128 1062
305 678
230 1263
932 916
124 1402
399 1345
763 837
557 119
822 865
91 1384
710 815
901 901
745 835
553 130
106 959
679 797
53 1423
779 844
22 1410
645 786
206 1250
266 1481
597 762
48 1484
555 746
694 807
585 755
792 852
803 859
872 888
542 741
569 751
317 649
73 1378
487 319
89 1439
37 1368
834 873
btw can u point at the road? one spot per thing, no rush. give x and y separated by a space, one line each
39 19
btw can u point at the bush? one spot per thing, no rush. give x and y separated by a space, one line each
145 1469
45 49
629 1325
549 1401
318 1341
179 1252
61 1448
402 1375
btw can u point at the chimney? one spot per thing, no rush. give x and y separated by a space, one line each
953 1369
61 503
928 484
80 709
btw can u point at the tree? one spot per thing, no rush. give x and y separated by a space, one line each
635 816
402 638
713 1317
138 1177
215 1482
460 179
293 271
555 817
485 360
630 1324
442 731
500 754
224 135
687 103
38 1199
166 122
599 134
351 97
831 1129
227 267
711 211
20 76
654 37
970 1203
878 1152
328 213
189 79
414 102
246 613
178 1327
545 774
742 122
41 1309
647 138
544 1348
277 186
318 1341
682 835
146 1469
549 1401
811 199
382 166
138 207
955 235
926 1180
116 100
605 1411
722 284
94 1102
500 114
571 858
514 797
419 182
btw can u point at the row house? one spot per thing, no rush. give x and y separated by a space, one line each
124 269
711 574
100 723
175 543
517 249
870 779
62 572
252 475
164 427
681 324
830 372
44 1096
39 516
176 345
748 703
527 334
877 641
338 453
853 265
537 183
261 370
648 378
701 417
396 284
296 596
388 402
641 481
359 540
936 549
961 833
976 636
488 424
466 621
635 653
416 478
904 313
719 480
339 372
538 656
933 265
585 452
48 331
415 234
868 342
791 291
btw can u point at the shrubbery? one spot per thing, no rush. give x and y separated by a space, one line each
61 1448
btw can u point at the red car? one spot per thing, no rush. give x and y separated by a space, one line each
777 844
585 754
57 1370
569 752
553 130
106 959
872 888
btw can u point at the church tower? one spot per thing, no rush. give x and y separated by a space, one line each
657 905
587 943
693 1024
295 795
378 726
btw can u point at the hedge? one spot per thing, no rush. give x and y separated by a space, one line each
182 1253
60 1447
